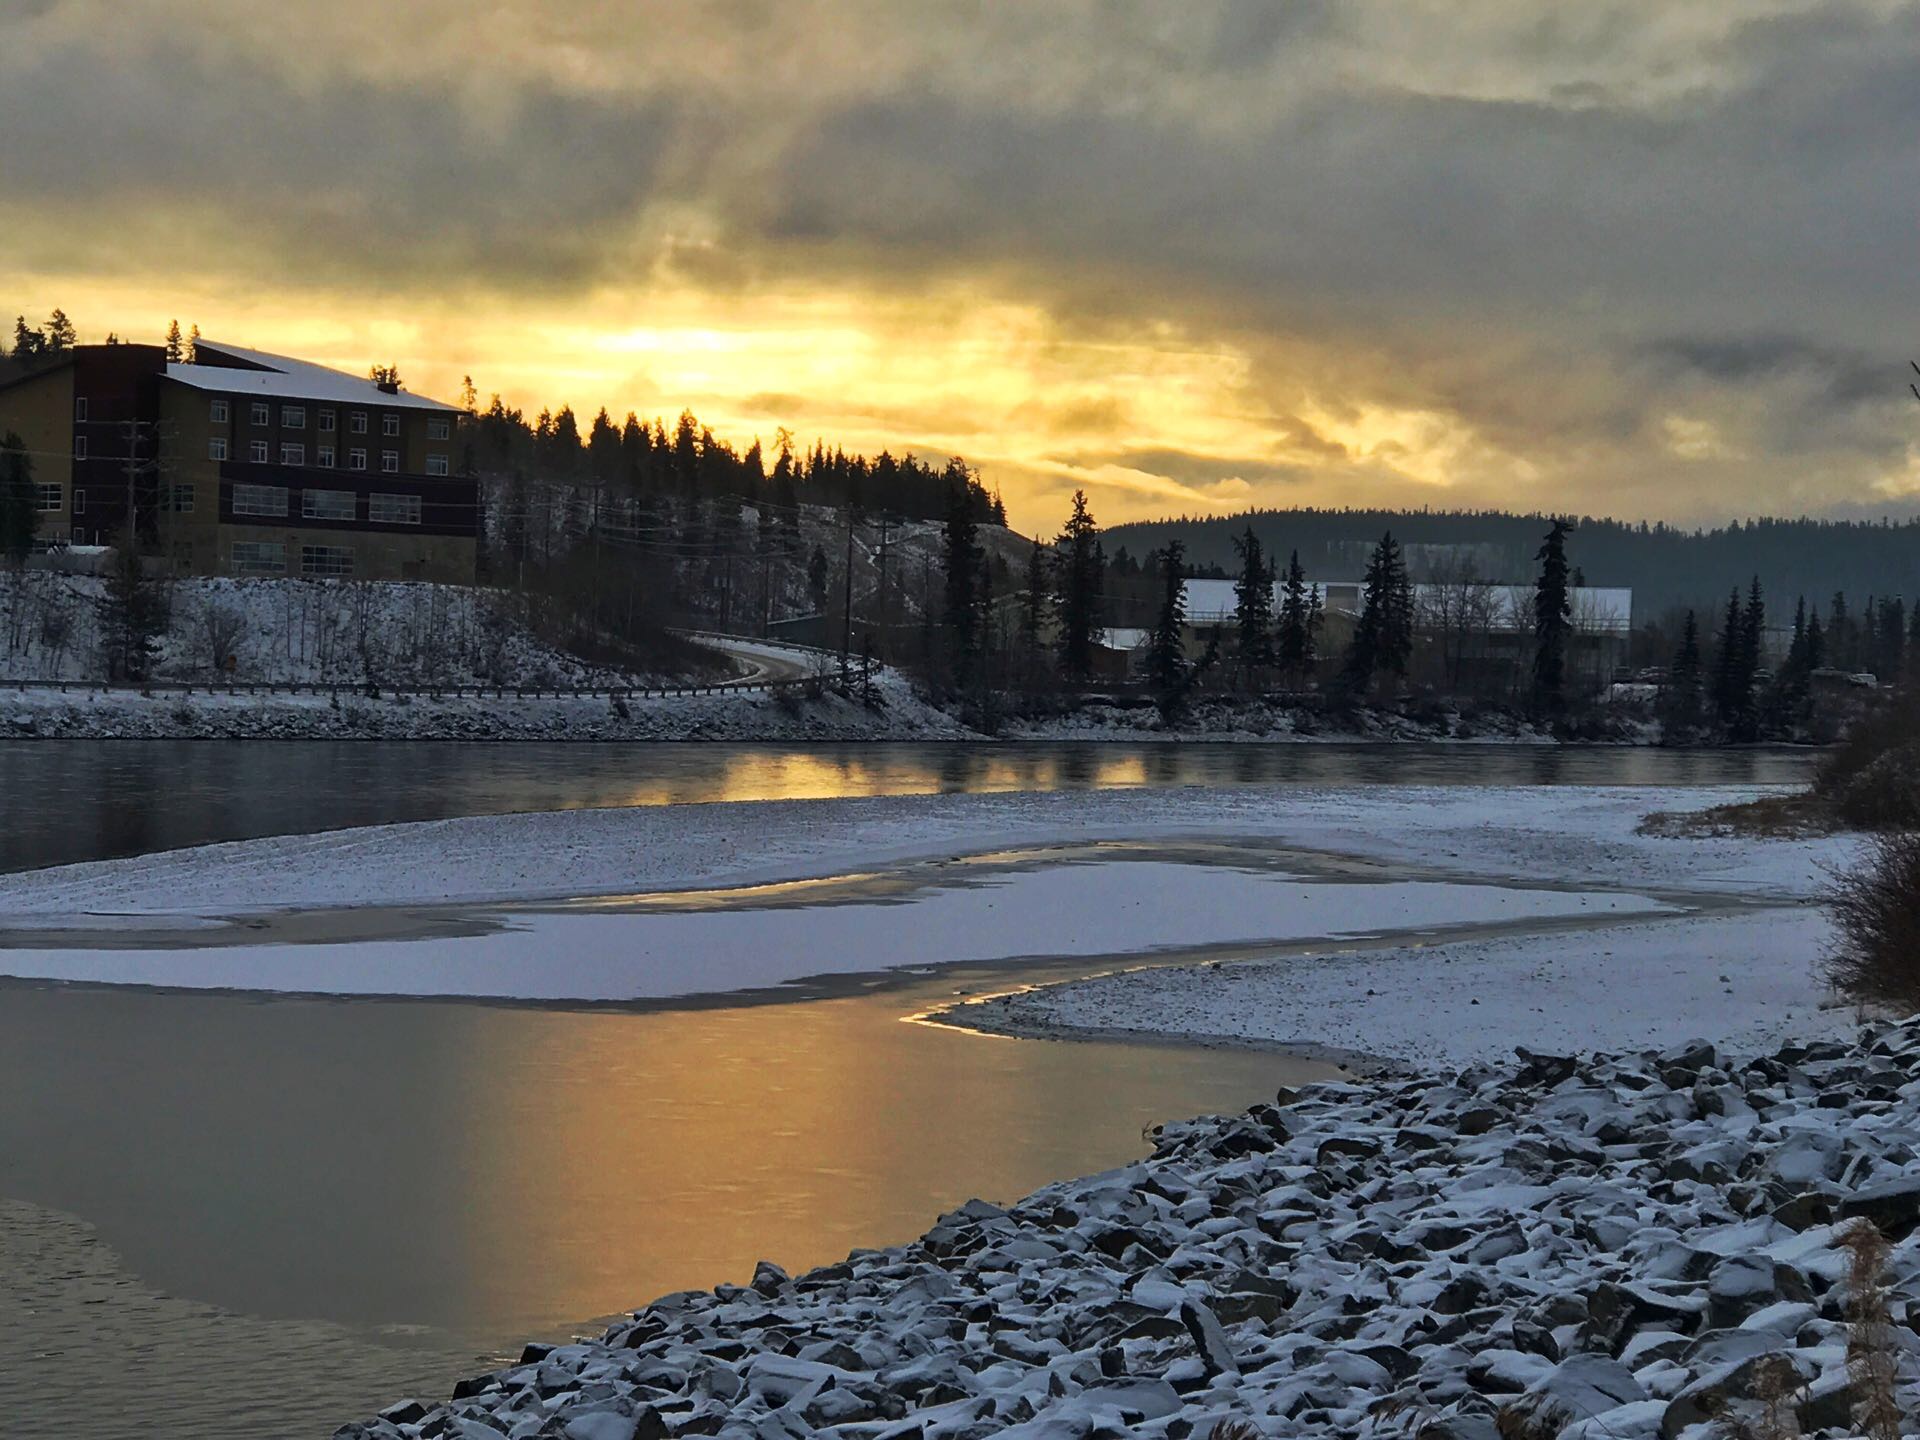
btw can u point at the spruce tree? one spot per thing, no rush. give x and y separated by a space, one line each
133 614
1383 635
1552 612
175 345
60 333
965 564
1725 691
1681 701
1077 603
1296 623
1253 609
19 500
1033 611
1753 622
1166 646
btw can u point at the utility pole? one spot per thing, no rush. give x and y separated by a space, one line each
880 594
846 601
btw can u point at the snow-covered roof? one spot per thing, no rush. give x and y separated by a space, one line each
282 377
1596 609
1121 637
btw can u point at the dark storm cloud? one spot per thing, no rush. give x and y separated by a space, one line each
1588 235
349 177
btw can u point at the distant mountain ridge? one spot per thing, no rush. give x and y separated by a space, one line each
1665 566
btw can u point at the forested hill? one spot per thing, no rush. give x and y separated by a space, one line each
1664 566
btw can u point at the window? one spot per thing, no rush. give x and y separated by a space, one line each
179 499
323 457
436 465
326 422
262 414
217 448
389 424
358 423
356 459
393 509
260 500
80 409
217 412
293 417
257 452
259 557
79 447
292 454
79 502
326 560
50 497
327 504
438 428
390 462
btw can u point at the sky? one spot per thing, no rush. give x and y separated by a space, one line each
1644 258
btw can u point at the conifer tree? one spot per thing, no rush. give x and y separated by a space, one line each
1298 617
1725 691
175 345
964 618
1552 610
133 613
60 333
1033 610
1166 645
1383 635
1077 603
19 500
1253 609
1681 701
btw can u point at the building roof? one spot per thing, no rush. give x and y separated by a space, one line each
1596 609
255 372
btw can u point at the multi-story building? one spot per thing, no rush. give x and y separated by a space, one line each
244 463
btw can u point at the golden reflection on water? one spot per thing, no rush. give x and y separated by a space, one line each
760 775
625 1156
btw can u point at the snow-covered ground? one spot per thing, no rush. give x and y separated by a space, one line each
1419 863
1748 980
1116 907
898 714
1580 836
283 630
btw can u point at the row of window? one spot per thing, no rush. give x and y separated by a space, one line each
271 502
269 557
294 417
293 453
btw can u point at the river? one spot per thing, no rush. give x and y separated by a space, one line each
232 1216
70 800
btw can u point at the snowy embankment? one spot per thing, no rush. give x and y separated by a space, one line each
1601 1249
898 714
281 631
1251 720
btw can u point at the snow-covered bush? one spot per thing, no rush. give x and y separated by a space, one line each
1875 959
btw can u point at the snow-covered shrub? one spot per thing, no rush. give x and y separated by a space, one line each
1875 959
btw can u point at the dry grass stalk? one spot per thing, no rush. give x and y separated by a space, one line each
1872 1364
1778 1387
1235 1430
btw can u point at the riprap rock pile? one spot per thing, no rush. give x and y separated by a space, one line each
1618 1246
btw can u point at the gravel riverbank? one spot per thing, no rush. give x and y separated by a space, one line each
1622 1246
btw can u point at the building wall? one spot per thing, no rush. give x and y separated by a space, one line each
40 411
376 555
200 530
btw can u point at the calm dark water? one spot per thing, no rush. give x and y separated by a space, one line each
69 800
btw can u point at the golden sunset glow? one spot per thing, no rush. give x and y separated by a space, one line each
1190 260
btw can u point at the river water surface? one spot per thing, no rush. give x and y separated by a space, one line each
230 1215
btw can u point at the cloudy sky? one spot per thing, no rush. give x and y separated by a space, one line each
1630 258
